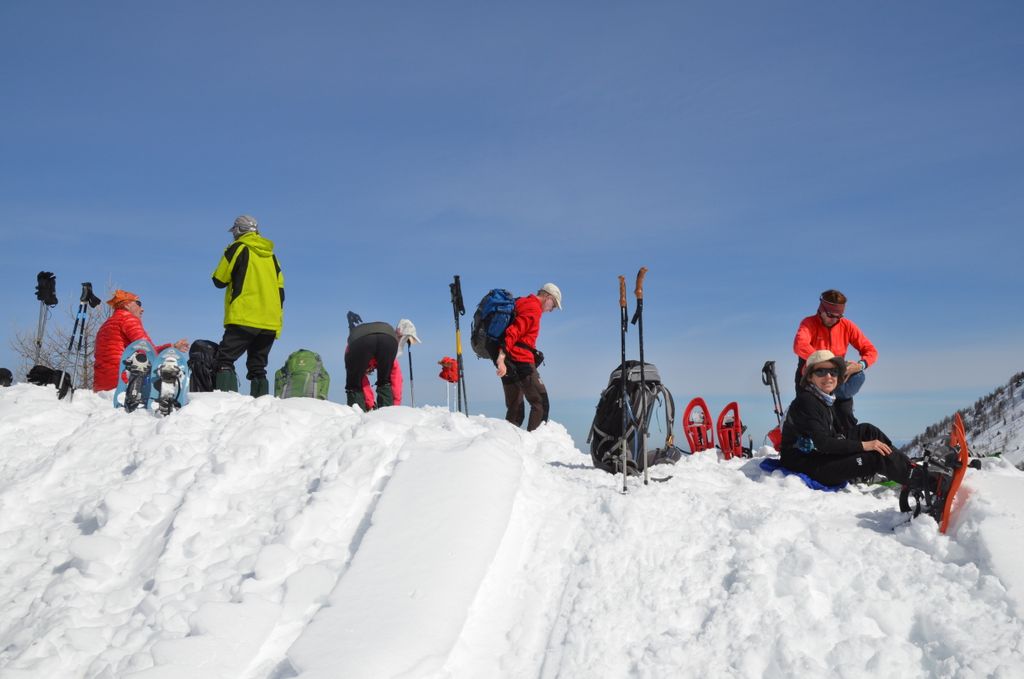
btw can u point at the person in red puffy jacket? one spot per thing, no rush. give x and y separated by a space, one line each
122 328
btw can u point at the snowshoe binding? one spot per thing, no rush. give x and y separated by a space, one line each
935 480
137 390
168 384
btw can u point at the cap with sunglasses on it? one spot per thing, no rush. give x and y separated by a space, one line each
832 303
122 298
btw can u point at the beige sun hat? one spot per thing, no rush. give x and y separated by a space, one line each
822 356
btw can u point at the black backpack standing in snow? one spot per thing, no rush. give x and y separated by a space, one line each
202 365
606 433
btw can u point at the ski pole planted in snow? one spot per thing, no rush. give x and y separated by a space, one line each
638 321
88 299
46 293
770 381
460 310
412 391
623 326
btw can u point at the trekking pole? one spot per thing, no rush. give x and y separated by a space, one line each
460 310
638 320
88 299
770 381
46 293
623 326
412 391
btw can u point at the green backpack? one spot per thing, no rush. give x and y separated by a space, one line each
303 374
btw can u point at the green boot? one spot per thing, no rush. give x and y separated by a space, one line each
259 387
385 396
357 398
227 380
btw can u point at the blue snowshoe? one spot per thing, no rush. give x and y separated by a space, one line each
170 381
133 384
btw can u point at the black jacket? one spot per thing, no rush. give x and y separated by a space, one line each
814 428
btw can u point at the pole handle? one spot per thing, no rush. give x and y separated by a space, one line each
622 291
639 291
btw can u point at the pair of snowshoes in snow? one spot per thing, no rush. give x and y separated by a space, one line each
150 381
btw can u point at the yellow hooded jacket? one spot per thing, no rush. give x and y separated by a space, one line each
255 284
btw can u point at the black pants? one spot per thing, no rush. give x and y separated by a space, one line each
832 470
524 383
253 342
379 346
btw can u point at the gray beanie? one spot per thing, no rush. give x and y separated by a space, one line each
245 224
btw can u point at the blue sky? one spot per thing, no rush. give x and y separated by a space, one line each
750 155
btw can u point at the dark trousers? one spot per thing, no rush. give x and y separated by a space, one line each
253 342
525 385
379 346
832 470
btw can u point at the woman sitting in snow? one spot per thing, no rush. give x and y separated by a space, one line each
828 446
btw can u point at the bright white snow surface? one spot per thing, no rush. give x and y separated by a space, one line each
276 538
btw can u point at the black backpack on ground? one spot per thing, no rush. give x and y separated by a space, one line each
202 365
44 376
606 434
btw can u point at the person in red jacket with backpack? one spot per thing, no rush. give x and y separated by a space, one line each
116 333
518 358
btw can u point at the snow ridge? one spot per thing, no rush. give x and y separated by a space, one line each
274 538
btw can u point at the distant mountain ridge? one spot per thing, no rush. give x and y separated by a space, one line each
994 424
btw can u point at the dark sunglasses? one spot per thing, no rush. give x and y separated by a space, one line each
832 315
139 302
821 372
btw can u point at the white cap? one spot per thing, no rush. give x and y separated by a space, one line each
407 331
555 293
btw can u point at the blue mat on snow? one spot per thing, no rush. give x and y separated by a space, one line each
771 464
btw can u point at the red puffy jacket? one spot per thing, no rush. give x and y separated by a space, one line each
524 330
114 335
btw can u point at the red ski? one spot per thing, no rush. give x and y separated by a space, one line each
730 431
697 426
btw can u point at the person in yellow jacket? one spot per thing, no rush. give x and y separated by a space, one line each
253 306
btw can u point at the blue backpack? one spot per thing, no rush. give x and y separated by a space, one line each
492 317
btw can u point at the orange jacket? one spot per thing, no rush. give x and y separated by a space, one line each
116 333
524 329
812 335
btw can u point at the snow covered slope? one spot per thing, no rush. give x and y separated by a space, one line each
994 425
269 539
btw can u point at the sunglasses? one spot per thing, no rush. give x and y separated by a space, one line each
821 372
832 315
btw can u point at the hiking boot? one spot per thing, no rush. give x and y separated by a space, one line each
385 396
227 380
259 387
357 398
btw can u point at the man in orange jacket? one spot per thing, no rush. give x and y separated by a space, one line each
116 333
830 329
517 358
